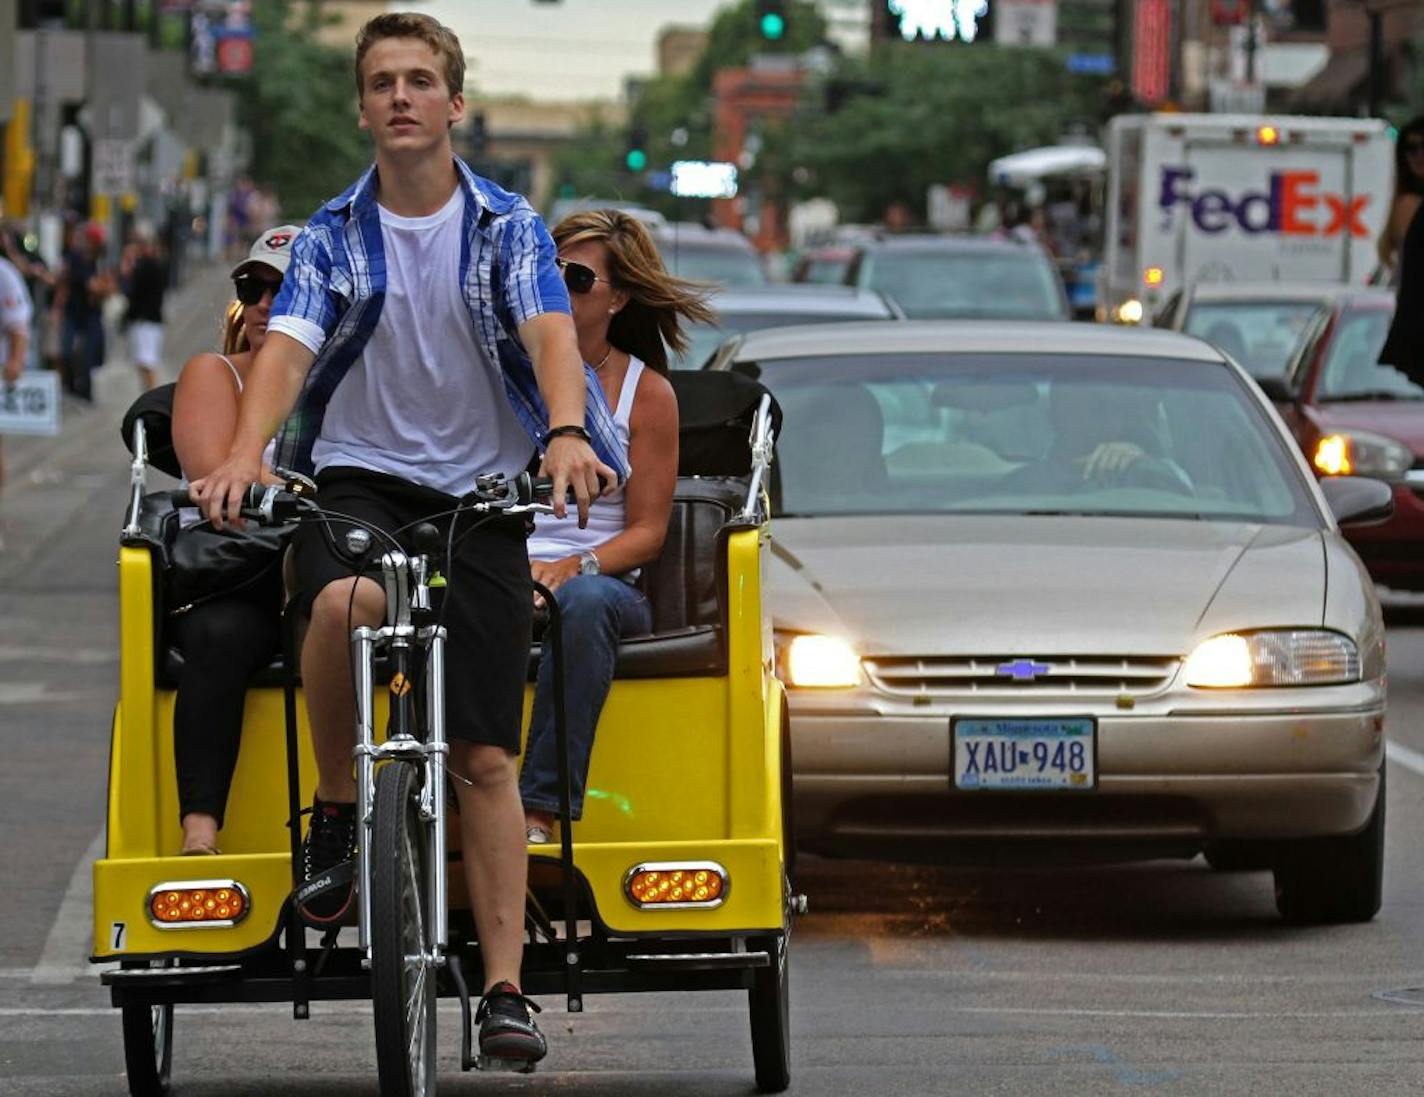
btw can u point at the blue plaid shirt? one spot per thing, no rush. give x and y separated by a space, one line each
337 283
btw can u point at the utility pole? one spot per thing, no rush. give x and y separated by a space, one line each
1252 42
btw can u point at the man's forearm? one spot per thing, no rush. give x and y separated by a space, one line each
271 391
559 371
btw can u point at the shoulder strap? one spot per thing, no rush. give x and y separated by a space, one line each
629 389
236 376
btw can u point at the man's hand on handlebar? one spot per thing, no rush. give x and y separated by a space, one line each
573 466
221 493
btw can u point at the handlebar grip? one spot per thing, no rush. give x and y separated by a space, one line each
264 503
540 489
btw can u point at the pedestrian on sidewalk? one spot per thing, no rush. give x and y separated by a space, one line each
15 316
84 284
143 274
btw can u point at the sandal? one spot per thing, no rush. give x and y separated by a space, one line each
203 850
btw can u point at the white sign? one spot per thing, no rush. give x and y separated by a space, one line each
704 179
1026 23
932 19
947 208
31 405
113 166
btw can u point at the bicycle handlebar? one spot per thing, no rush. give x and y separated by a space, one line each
278 504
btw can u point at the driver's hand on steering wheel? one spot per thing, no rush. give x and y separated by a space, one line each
1111 458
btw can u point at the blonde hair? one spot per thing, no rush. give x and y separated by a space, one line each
234 332
658 303
408 24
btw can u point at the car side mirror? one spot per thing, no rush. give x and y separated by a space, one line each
1277 389
1358 500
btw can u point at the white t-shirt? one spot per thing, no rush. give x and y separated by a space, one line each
423 402
15 309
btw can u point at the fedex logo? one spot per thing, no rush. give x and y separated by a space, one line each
1292 205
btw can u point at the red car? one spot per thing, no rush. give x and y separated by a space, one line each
1350 414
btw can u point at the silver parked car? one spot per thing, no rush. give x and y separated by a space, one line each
1043 590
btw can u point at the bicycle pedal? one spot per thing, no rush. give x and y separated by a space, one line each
509 1066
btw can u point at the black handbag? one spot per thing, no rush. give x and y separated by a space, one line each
206 563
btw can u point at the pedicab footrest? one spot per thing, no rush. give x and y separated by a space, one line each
699 961
171 976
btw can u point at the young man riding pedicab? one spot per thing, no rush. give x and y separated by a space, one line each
422 336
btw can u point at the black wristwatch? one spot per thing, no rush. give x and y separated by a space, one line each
571 429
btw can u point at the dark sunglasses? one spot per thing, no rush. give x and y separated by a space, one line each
577 277
250 288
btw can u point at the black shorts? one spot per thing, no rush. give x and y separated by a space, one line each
488 603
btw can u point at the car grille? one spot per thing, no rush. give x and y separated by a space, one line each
1077 676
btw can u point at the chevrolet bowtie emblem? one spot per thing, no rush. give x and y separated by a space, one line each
1022 670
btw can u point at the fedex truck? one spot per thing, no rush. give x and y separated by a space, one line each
1229 197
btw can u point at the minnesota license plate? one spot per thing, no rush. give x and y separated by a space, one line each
1028 755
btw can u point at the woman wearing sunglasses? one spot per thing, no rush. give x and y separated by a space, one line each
1401 246
628 311
226 639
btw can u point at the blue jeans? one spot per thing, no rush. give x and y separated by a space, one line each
81 348
596 611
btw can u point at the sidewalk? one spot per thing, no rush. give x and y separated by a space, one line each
46 479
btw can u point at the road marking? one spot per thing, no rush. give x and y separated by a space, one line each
31 693
1404 756
70 941
89 656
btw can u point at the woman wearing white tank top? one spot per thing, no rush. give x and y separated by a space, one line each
628 309
223 640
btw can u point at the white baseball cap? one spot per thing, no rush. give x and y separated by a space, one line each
272 248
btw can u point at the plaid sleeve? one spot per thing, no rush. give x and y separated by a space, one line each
531 284
306 287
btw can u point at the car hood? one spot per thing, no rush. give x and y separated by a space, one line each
1040 585
1402 420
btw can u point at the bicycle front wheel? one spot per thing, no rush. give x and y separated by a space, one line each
402 974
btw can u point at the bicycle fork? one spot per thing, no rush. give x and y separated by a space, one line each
403 748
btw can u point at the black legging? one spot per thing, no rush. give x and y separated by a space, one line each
223 642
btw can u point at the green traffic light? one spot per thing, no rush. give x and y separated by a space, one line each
636 159
773 26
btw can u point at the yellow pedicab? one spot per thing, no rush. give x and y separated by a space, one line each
676 878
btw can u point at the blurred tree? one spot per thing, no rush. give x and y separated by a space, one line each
299 105
913 115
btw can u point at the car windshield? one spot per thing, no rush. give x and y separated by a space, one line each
966 285
706 338
1352 370
1028 434
824 271
1263 336
700 263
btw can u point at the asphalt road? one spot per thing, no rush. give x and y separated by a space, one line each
1164 976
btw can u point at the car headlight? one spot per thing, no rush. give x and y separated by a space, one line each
810 660
1280 657
1360 453
1130 311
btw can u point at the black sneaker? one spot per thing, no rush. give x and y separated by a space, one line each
328 863
508 1034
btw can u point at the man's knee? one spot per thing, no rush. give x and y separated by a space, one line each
485 766
334 606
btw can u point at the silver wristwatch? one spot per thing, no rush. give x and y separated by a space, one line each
588 562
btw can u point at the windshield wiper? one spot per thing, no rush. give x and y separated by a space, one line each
1369 394
1190 515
